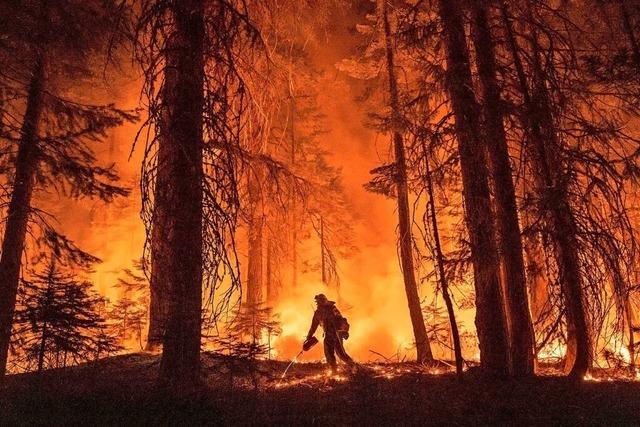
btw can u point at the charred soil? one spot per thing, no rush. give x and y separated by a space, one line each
123 391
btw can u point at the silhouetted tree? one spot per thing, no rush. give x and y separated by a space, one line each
181 141
189 53
57 320
423 347
490 320
128 316
509 242
57 41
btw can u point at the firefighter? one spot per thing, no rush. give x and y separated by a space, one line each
336 329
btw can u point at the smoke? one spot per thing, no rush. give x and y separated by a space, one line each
371 293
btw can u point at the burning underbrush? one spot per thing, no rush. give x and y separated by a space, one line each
267 374
275 374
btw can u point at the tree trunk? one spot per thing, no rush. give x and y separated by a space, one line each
270 282
45 316
294 217
323 266
551 184
43 347
2 108
538 283
490 321
533 247
509 240
628 310
124 327
444 284
255 233
180 361
553 189
160 255
621 292
19 207
423 347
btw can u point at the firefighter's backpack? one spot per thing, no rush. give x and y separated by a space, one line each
342 325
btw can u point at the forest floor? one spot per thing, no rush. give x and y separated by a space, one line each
122 391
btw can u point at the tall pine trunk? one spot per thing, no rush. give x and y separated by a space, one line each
19 207
294 204
628 311
160 255
551 183
255 234
3 96
509 240
490 318
537 283
180 361
159 292
269 274
423 347
323 259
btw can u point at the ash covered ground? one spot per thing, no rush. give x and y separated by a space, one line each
123 391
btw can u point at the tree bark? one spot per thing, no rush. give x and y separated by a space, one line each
3 95
255 234
294 205
628 310
423 347
551 184
537 282
323 267
509 239
19 207
269 276
180 363
160 256
490 321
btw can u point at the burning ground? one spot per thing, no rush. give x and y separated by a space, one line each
123 390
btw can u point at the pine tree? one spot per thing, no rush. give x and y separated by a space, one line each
128 316
490 318
574 147
57 41
57 321
423 347
392 180
539 124
182 134
508 228
189 52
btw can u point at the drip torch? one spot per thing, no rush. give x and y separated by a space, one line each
306 346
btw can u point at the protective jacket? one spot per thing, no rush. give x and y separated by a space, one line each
328 316
335 329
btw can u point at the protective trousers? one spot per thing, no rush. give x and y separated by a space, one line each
332 346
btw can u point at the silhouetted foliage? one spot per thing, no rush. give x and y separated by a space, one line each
128 315
49 53
57 322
